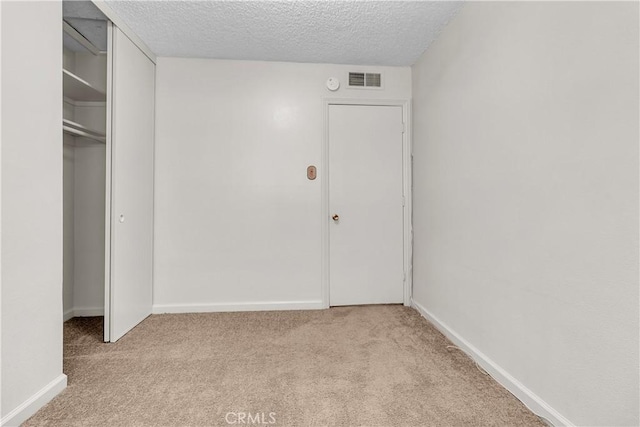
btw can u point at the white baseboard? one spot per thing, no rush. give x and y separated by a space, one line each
35 402
88 311
248 306
519 390
82 312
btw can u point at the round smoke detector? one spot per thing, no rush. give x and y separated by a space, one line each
333 84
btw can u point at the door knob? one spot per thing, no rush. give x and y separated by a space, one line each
335 217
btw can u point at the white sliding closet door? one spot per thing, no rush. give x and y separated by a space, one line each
129 289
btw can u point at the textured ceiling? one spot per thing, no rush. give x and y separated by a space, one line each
338 32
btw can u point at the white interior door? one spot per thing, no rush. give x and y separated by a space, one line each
366 205
132 125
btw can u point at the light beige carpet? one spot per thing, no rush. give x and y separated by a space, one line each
349 366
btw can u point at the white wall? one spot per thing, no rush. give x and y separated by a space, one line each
526 197
68 227
237 222
89 200
68 205
31 207
84 199
92 68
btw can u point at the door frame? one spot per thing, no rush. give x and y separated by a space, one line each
407 185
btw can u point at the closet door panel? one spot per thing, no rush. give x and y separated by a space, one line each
132 121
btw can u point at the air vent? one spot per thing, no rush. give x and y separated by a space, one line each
372 80
356 79
365 80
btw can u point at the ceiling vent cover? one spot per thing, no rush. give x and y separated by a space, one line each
365 80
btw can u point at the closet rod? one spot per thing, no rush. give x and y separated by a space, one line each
79 38
79 132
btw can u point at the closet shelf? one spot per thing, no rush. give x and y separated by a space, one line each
80 90
77 129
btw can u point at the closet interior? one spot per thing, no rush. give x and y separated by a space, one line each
84 127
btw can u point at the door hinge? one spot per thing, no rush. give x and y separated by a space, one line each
404 127
404 276
402 200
